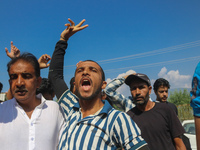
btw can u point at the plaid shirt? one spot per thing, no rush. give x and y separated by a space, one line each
122 102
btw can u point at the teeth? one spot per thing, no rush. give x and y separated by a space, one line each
85 82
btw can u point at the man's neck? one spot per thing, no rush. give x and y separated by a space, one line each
29 106
146 107
90 107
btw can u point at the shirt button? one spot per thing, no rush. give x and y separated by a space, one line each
32 139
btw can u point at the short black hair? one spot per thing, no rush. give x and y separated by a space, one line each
29 58
1 86
45 87
102 72
160 82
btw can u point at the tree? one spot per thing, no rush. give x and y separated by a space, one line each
179 97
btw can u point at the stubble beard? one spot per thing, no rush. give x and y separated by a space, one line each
91 97
143 102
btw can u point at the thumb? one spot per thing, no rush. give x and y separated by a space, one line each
6 50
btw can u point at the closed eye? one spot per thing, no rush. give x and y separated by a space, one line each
27 75
13 76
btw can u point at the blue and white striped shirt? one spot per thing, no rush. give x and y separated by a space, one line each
108 129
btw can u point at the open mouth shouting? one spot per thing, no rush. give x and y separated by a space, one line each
86 84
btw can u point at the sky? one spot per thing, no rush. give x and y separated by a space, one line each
157 38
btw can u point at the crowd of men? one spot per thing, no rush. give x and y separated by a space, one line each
83 118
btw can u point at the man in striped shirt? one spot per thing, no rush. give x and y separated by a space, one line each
91 123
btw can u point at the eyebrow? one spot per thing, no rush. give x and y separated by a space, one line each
91 67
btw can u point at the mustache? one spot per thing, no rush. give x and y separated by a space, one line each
20 90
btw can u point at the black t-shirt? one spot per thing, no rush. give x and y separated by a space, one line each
159 126
173 107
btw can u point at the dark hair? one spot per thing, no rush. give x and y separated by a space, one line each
72 84
160 82
45 87
1 86
29 58
102 72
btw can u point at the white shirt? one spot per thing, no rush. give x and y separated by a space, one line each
40 132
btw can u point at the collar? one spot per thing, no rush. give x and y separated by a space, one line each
43 100
106 108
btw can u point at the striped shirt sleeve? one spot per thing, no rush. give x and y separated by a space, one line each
127 133
118 99
67 101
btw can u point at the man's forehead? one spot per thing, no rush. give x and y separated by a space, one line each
87 64
21 66
163 87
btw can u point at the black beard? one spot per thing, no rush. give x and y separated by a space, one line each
144 102
91 97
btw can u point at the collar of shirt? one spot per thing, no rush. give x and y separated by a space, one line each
106 108
37 111
38 96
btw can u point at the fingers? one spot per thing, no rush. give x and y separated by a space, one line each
44 57
11 43
83 27
68 25
72 23
6 49
80 24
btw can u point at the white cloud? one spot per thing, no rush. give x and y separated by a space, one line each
175 79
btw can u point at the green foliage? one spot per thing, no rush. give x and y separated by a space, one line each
185 112
179 97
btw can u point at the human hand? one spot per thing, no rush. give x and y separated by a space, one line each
72 29
14 52
43 61
128 75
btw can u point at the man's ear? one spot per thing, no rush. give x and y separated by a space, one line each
9 81
39 80
150 88
104 83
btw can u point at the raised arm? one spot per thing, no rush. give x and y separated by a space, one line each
57 61
118 99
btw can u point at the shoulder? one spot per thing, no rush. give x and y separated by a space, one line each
68 95
133 110
7 103
51 103
52 106
171 104
120 117
6 106
162 107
